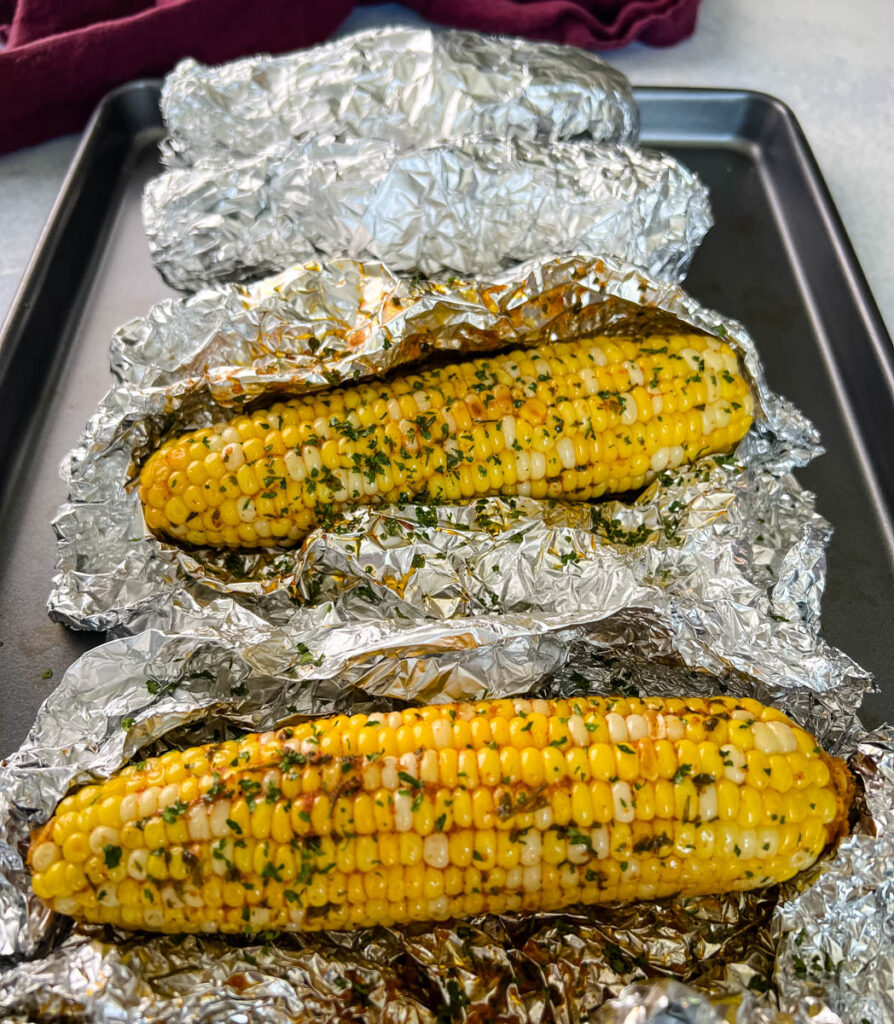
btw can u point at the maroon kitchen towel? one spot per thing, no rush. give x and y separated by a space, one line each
62 56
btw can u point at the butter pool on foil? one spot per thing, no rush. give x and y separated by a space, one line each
716 550
433 152
815 950
407 86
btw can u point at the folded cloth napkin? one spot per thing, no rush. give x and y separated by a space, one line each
60 58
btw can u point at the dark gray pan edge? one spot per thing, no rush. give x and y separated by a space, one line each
778 260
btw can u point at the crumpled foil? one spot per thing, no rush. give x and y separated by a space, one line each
407 86
472 206
434 152
715 548
788 954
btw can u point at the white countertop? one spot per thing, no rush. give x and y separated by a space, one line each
829 61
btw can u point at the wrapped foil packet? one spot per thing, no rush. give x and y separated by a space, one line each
196 361
468 207
761 956
407 86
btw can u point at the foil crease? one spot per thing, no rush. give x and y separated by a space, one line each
679 548
406 86
471 206
693 961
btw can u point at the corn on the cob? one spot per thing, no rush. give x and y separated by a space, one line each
447 810
574 420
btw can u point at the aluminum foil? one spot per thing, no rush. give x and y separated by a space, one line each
434 152
678 549
406 86
472 206
750 957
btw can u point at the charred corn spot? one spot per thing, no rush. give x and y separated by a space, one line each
452 809
576 420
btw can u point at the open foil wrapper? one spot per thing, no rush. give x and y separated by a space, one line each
433 152
728 547
473 206
407 86
814 950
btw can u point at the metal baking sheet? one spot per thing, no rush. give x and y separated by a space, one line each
778 259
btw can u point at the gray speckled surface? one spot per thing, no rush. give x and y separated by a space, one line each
829 61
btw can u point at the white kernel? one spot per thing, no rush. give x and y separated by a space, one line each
215 442
232 456
635 374
149 802
523 467
543 818
169 896
540 706
748 842
531 878
722 415
442 733
247 511
262 529
197 823
372 776
578 853
733 764
767 842
439 909
321 429
341 492
509 430
801 859
617 727
569 877
538 465
676 454
629 413
130 808
591 384
622 797
657 404
138 864
295 465
636 727
355 484
403 813
410 764
659 460
169 794
192 895
707 803
542 368
450 421
523 490
514 878
393 720
312 460
44 855
102 836
67 905
434 850
784 736
531 848
370 487
676 730
230 435
708 419
599 843
693 359
765 738
741 715
389 771
521 706
598 356
565 451
218 812
423 402
578 729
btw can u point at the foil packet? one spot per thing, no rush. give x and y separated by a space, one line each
472 207
192 362
816 949
406 86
